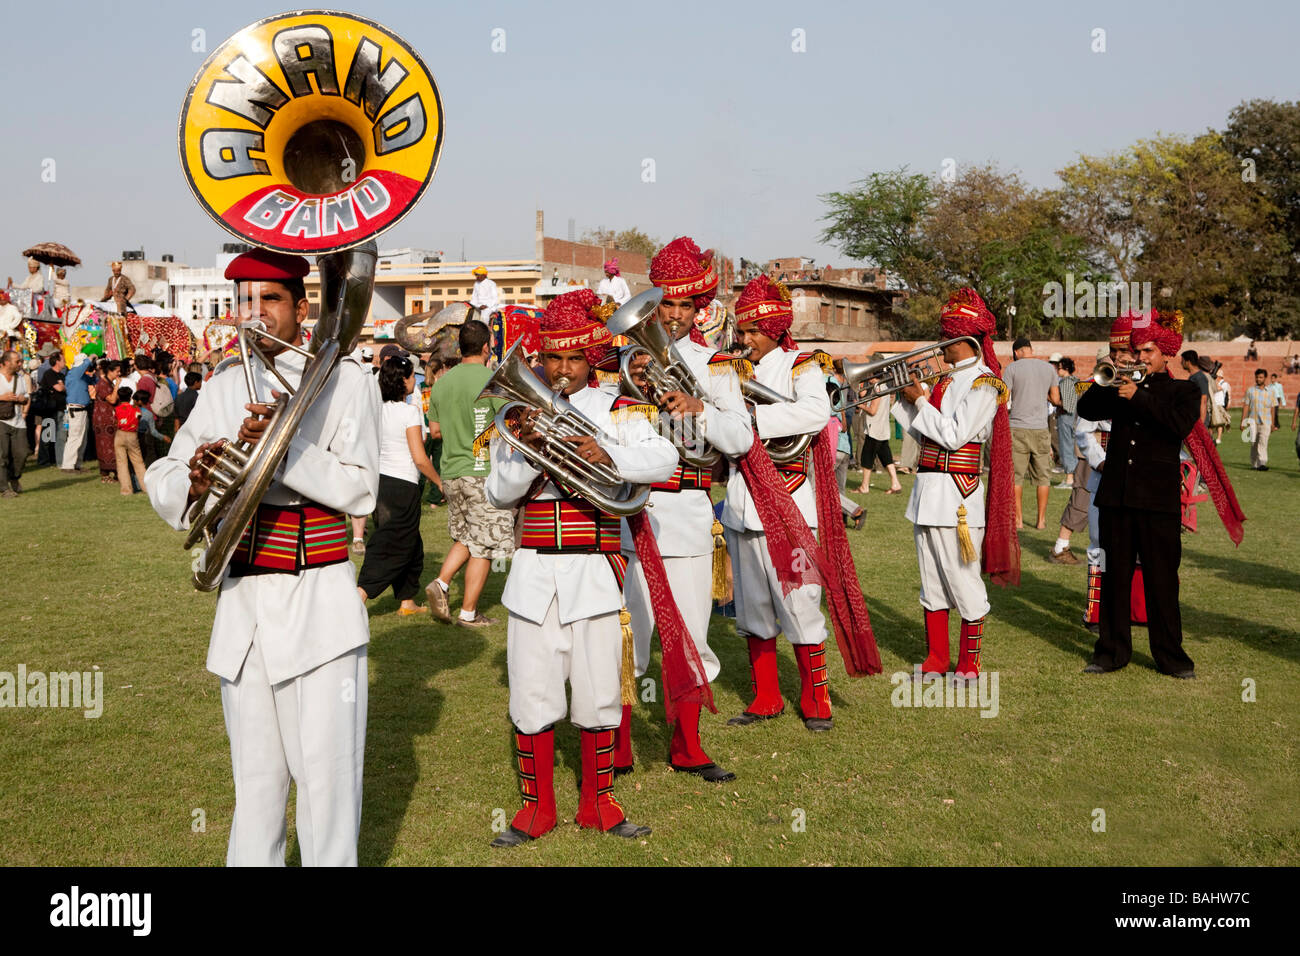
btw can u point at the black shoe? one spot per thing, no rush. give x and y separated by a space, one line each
745 719
708 771
628 830
1093 629
511 837
1184 675
1094 669
621 771
818 725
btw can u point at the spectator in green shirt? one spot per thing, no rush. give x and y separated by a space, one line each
480 532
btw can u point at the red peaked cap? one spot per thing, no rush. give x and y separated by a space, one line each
575 322
262 265
1165 330
765 304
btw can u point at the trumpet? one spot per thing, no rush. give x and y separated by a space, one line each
665 372
891 375
1108 374
558 420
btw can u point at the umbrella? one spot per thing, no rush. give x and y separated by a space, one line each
53 254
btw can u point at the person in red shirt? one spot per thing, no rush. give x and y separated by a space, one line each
126 443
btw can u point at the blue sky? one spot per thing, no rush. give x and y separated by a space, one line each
745 133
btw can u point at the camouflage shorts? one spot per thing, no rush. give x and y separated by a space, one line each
488 532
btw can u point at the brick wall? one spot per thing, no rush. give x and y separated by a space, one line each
586 256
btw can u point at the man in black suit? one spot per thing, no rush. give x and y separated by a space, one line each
1138 497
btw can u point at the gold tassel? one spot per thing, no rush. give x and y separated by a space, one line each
629 658
719 563
625 414
963 537
484 439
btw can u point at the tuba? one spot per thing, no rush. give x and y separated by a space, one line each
891 375
308 133
558 419
666 372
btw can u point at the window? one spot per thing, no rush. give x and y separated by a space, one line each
508 290
453 291
417 305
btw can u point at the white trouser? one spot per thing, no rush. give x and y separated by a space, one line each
690 579
587 653
946 580
312 728
761 611
75 445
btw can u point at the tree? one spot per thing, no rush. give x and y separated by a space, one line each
628 240
1264 137
881 222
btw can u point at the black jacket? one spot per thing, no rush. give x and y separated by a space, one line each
1146 432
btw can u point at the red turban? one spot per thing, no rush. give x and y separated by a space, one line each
966 314
1166 331
765 304
1121 329
575 322
682 271
263 265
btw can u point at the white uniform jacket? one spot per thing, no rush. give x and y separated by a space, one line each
584 584
683 520
485 297
809 413
309 618
966 415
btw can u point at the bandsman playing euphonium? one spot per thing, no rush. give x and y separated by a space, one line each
954 519
565 589
680 512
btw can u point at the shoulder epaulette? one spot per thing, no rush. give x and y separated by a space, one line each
825 361
722 363
607 378
625 409
803 362
995 383
484 438
1081 387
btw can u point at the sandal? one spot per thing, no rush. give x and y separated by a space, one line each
856 519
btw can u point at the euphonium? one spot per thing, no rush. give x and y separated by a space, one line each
891 375
557 420
306 132
665 372
1107 373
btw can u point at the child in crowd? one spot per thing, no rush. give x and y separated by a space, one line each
126 441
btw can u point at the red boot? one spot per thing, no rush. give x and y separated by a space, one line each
968 656
685 753
535 754
1138 601
623 743
936 639
597 808
1092 614
767 690
815 699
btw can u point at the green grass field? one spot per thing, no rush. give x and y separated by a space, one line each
1187 773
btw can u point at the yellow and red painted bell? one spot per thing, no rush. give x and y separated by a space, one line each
311 132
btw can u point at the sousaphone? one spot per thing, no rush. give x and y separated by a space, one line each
311 133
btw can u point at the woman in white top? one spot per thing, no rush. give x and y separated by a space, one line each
395 554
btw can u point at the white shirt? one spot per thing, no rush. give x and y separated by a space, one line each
583 584
17 385
485 296
394 452
10 319
1221 393
132 382
615 287
809 413
305 619
33 281
682 521
966 415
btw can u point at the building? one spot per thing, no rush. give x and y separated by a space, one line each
853 307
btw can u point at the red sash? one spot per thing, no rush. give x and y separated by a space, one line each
287 540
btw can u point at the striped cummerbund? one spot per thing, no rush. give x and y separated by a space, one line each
286 540
964 461
569 525
686 478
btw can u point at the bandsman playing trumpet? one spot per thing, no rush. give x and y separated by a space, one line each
565 588
954 519
680 512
